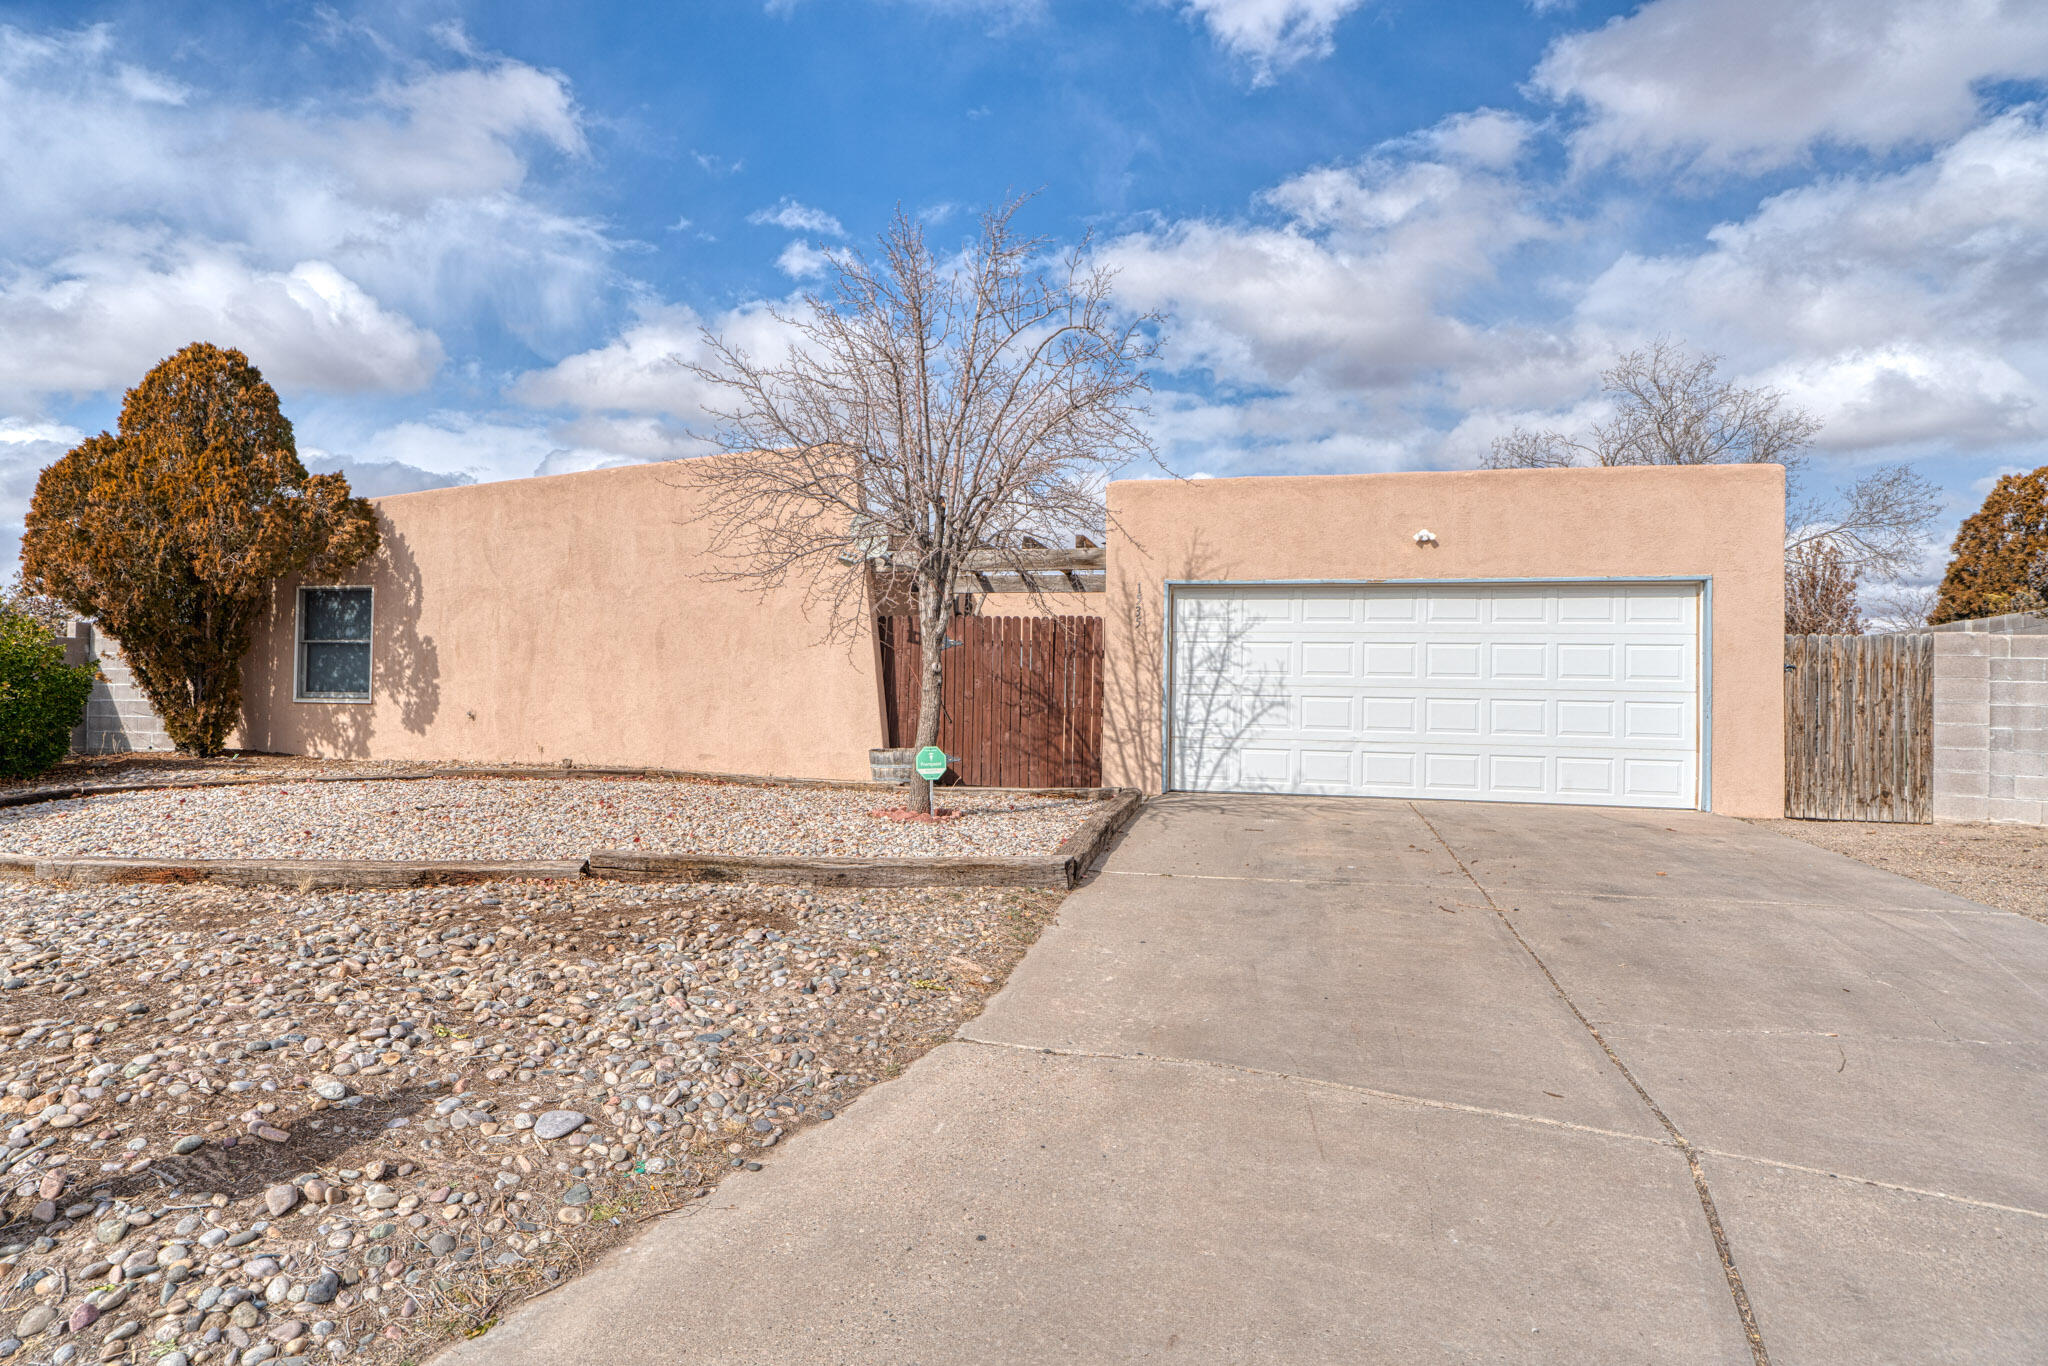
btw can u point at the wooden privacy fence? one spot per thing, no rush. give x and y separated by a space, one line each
1023 697
1859 733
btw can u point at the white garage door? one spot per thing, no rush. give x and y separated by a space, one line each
1565 692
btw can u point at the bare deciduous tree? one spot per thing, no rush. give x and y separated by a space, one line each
946 417
1903 607
1671 407
1820 592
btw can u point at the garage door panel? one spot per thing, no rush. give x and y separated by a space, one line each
1451 660
1518 609
1536 692
1518 659
1392 715
1317 608
1584 608
1585 719
1327 767
1584 662
1664 778
1451 607
1524 774
1328 713
1655 663
1328 659
1396 659
1518 717
1586 775
1654 720
1391 769
1451 716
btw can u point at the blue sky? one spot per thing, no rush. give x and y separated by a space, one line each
467 241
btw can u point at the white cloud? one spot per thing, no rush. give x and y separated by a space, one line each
643 372
1749 84
330 236
1270 35
27 445
798 218
802 261
97 320
1354 285
1903 306
462 446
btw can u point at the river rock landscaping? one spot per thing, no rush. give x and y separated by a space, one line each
247 1126
527 818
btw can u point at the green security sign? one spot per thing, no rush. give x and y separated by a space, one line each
931 763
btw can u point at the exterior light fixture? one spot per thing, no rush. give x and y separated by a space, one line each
1425 538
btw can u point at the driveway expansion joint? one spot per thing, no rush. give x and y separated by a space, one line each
1737 1292
1350 1088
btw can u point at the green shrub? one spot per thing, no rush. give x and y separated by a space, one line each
41 697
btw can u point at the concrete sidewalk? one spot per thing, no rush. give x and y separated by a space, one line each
1298 1080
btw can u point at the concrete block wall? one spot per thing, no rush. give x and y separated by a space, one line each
118 718
1991 719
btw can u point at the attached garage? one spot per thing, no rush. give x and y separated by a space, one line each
1584 692
1597 637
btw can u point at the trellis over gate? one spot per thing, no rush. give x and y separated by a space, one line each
1022 697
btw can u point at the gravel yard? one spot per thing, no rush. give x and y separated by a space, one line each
89 771
284 1126
2000 865
525 818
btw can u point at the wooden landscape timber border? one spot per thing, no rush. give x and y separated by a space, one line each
300 874
64 794
1061 869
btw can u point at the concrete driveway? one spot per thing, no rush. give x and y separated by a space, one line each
1306 1080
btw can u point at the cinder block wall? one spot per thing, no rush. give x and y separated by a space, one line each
1991 719
118 718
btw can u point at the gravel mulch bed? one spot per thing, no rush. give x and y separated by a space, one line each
119 770
254 1125
526 818
2001 865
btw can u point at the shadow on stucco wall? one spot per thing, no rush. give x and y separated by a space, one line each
405 666
1224 694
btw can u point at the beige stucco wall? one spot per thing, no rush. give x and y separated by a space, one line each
1726 522
564 618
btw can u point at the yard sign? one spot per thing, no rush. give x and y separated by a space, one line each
931 763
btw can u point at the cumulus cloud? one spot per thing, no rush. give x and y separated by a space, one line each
798 218
331 236
27 445
378 478
643 372
802 261
1902 304
98 319
1356 280
1751 84
1271 35
459 447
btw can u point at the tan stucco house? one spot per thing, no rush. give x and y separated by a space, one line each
1607 636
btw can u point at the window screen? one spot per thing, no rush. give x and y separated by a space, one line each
334 643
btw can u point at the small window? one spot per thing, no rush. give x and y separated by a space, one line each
334 644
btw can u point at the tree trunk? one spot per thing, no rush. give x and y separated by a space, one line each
932 620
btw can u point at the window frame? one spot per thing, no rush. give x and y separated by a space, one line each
299 643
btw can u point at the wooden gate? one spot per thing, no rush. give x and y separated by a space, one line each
1859 733
1023 697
